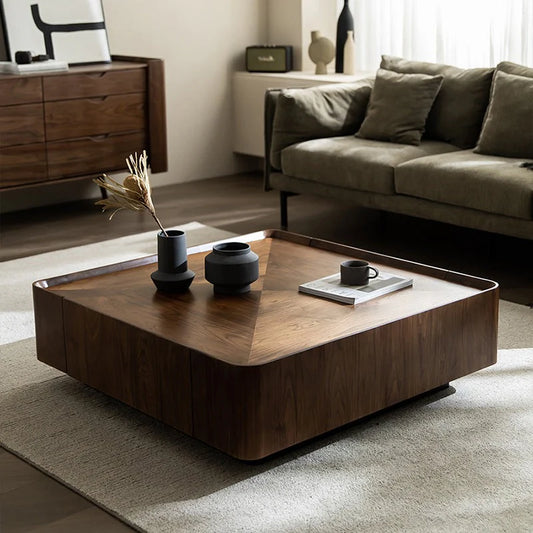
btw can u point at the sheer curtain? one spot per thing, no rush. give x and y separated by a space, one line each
465 33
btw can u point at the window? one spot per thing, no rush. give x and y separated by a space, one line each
465 33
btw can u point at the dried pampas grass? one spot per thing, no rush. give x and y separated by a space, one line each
134 193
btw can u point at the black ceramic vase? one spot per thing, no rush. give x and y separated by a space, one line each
231 267
172 274
344 24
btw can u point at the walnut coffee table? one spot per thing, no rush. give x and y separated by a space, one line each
255 374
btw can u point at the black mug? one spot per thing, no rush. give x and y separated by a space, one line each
355 272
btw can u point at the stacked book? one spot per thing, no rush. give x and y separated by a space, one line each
8 67
332 288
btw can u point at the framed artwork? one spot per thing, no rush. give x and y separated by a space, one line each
68 30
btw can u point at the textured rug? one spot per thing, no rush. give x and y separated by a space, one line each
457 460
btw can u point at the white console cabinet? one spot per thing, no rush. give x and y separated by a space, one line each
248 102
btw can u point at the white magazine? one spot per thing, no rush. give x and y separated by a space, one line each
8 67
332 288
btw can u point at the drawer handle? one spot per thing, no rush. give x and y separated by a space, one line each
97 99
99 138
96 75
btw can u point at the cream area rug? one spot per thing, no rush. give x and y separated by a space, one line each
456 460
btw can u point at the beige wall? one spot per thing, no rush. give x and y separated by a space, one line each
202 43
292 21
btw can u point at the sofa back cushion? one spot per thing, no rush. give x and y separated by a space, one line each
457 113
399 106
512 68
314 112
508 126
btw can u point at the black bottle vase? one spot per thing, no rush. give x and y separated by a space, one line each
344 24
172 274
231 267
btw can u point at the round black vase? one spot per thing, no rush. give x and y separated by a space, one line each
344 24
231 267
172 274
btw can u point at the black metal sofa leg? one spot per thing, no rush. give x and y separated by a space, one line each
283 195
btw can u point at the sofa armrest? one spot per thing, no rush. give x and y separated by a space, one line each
314 112
271 98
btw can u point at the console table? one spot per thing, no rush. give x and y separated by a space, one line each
248 102
57 126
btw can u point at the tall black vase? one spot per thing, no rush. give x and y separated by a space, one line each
344 24
172 274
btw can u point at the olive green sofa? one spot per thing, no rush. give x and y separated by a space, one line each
469 168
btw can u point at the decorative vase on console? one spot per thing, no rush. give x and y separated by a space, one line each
135 194
321 51
344 25
349 54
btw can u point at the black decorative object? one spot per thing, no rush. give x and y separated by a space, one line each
231 267
344 24
67 30
172 274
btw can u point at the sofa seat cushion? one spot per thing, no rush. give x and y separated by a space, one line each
353 163
486 183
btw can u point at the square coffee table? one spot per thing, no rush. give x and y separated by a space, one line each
255 374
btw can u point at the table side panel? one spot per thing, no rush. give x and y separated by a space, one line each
252 412
49 335
129 364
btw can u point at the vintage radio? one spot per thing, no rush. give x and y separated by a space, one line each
268 58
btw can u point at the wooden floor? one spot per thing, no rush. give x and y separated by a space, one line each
31 501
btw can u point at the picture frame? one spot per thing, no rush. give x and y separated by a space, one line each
67 30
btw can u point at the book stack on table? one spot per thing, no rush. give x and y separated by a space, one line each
332 288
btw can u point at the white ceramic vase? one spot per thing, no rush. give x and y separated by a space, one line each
349 54
321 51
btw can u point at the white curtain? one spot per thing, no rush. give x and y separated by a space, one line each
464 33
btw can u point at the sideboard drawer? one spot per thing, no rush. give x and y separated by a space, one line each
21 124
22 164
94 84
90 155
14 91
95 116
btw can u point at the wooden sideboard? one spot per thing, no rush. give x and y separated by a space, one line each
79 123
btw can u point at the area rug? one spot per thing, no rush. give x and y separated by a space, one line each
457 460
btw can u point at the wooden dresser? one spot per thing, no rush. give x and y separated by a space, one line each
77 124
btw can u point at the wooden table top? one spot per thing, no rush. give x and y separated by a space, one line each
274 320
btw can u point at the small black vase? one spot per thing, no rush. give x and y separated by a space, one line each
344 24
231 267
172 274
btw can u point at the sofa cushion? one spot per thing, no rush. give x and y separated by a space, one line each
353 163
313 112
508 126
513 68
486 183
399 106
457 114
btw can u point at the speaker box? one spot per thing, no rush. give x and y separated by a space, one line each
268 58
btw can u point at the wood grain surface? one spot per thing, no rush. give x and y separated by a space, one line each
25 163
74 157
21 124
255 374
18 90
67 119
91 84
